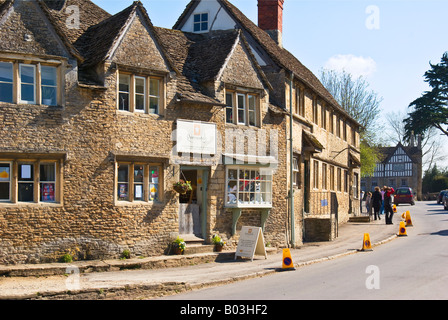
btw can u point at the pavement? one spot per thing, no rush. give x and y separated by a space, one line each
139 279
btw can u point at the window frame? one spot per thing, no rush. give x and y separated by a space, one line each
200 22
35 181
240 196
20 83
10 182
55 87
147 184
245 108
148 97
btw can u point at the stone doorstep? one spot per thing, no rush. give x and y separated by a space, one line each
160 262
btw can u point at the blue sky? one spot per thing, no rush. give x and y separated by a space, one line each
389 42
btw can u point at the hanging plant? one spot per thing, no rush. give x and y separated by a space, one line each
182 186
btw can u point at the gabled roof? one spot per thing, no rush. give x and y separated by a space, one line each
282 57
414 153
12 39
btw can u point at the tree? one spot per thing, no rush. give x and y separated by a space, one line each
431 109
363 105
355 96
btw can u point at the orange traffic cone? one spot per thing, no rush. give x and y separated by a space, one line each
287 264
408 219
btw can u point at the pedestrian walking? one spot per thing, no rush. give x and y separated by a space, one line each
368 203
377 201
382 201
389 212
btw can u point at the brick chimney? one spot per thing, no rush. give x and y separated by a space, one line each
270 18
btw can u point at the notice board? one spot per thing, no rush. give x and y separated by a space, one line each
251 243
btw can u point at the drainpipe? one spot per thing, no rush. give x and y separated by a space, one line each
291 160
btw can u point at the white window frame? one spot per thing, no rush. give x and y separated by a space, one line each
242 198
239 108
252 112
139 94
201 22
21 65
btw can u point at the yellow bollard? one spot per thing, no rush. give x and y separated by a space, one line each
402 231
366 244
395 208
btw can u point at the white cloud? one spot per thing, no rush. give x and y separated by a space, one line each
356 66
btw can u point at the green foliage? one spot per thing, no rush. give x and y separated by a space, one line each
431 109
369 158
126 254
179 243
66 258
217 240
435 180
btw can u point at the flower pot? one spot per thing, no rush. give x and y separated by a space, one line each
177 251
218 247
180 189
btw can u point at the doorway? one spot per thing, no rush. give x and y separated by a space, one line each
193 204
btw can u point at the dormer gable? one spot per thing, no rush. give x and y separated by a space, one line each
27 28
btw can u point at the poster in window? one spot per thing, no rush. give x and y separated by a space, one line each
48 192
123 191
138 191
4 174
26 171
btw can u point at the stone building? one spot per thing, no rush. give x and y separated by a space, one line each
102 114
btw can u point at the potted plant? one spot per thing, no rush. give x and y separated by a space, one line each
218 242
182 186
178 246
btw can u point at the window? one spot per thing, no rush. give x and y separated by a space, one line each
344 130
315 111
123 182
123 92
316 175
355 186
339 181
248 187
146 93
47 182
34 182
324 176
6 82
26 182
332 178
296 172
137 182
154 95
5 181
27 83
244 106
229 107
241 99
338 127
252 111
200 22
331 122
140 94
324 117
49 85
347 178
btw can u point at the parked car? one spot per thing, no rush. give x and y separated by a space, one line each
445 201
404 195
440 197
